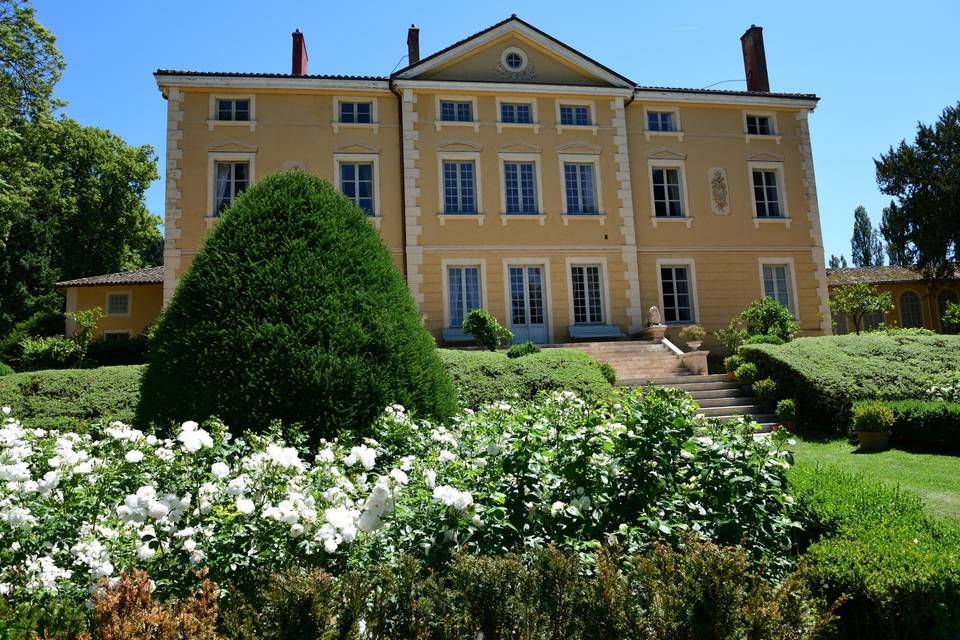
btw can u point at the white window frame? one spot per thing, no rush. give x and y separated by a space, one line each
781 191
518 51
604 284
923 320
374 158
460 156
212 112
473 124
581 158
592 127
505 157
374 114
647 133
774 124
446 263
225 156
547 300
691 266
666 163
534 115
106 305
779 262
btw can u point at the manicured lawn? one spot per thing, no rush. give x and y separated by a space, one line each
935 478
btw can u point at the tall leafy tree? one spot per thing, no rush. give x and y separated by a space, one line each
866 250
838 263
857 300
893 229
923 177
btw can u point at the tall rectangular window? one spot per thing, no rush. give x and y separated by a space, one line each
581 192
766 193
459 187
587 294
677 294
118 304
776 284
356 183
660 121
356 112
238 110
575 115
520 187
759 126
519 113
451 111
667 197
233 178
463 287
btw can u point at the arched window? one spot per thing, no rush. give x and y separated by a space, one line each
911 315
945 296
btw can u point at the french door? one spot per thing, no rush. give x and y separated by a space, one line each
527 304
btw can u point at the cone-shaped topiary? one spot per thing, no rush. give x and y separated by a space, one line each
292 311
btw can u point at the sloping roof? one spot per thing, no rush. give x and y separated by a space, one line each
731 92
872 275
153 275
239 74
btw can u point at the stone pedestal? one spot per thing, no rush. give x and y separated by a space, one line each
654 332
696 362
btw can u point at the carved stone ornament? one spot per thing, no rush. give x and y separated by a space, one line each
653 316
527 73
719 191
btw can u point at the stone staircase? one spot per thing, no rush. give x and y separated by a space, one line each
651 362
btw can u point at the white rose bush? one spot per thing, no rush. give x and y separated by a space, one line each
79 510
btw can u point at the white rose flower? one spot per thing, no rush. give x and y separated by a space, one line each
446 456
220 470
146 552
245 506
133 456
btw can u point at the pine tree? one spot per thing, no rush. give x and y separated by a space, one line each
865 245
838 263
895 234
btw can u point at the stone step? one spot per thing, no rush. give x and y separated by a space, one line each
725 412
703 394
729 401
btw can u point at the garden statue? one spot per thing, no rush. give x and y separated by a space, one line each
653 317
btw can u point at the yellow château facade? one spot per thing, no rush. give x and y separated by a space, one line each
511 172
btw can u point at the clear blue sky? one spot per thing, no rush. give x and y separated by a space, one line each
878 66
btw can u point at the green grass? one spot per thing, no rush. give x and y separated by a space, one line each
934 477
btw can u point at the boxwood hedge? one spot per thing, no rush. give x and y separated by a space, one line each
826 375
926 423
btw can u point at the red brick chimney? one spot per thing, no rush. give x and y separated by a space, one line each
299 54
755 59
413 44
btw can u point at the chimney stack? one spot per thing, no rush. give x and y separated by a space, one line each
413 44
299 54
755 59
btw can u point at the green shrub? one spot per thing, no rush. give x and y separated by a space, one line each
765 317
897 568
826 375
52 352
951 318
482 377
787 410
693 333
747 373
110 353
294 311
732 363
41 324
608 372
765 389
522 349
5 369
764 339
872 415
485 329
73 397
926 423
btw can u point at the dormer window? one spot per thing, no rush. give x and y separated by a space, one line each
356 112
233 110
451 111
759 126
575 115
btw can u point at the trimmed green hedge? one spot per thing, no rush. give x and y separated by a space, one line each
826 375
482 377
897 567
926 422
71 398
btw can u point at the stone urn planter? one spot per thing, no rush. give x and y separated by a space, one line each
873 440
694 345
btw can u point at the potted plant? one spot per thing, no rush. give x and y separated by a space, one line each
787 412
747 373
693 335
872 422
731 363
766 391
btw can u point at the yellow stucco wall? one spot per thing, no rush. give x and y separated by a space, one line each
146 302
929 304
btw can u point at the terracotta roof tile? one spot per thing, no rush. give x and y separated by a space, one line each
239 74
872 275
153 275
